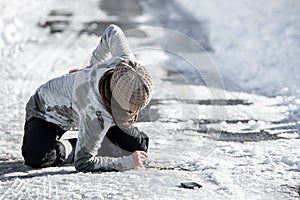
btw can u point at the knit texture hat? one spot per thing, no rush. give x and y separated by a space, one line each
131 85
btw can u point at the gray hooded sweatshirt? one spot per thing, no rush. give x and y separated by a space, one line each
74 100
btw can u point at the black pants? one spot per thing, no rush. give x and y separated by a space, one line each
41 147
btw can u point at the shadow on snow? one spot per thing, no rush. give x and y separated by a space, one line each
10 170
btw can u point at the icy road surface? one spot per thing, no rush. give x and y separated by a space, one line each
203 125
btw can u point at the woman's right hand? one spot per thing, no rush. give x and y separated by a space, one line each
74 70
139 157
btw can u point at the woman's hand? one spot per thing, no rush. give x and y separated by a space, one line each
74 70
139 157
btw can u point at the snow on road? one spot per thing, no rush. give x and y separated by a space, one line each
235 144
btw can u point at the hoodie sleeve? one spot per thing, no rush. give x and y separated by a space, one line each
113 42
86 162
92 130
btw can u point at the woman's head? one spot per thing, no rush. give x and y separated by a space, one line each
131 85
125 90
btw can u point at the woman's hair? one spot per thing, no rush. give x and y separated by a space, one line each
104 89
122 118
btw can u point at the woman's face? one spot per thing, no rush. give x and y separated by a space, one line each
122 117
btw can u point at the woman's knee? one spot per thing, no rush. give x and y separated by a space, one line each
144 141
39 147
37 157
33 159
141 138
130 139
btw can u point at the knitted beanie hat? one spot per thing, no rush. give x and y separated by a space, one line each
131 85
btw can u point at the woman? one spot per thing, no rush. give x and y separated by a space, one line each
103 101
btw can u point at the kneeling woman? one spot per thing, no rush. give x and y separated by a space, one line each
103 101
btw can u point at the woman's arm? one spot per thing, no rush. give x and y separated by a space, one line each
113 43
85 161
92 129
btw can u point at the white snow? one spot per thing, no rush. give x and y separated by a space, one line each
256 44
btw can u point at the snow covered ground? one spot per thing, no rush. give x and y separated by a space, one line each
256 44
227 119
